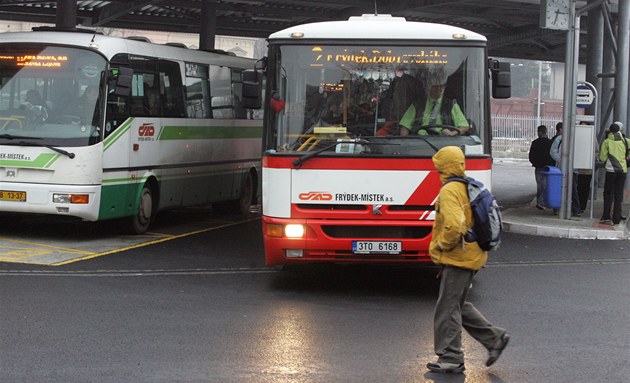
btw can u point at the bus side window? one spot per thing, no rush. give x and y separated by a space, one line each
144 79
171 89
197 91
237 94
221 92
197 98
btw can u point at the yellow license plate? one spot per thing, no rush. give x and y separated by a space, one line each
8 195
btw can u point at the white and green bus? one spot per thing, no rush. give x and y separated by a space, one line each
97 127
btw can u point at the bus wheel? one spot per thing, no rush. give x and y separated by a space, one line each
245 202
139 222
239 206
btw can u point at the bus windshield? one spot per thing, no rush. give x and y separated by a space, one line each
50 94
412 99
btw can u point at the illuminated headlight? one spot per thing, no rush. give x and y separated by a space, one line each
294 231
71 198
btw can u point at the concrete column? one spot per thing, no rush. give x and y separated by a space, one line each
208 25
568 119
66 14
621 79
608 86
608 81
594 57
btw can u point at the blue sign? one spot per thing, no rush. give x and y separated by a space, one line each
583 96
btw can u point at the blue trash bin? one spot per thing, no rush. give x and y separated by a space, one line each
553 187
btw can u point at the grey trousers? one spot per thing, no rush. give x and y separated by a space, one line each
452 312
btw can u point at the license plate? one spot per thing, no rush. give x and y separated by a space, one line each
8 195
376 247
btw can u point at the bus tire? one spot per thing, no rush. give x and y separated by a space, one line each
247 196
139 222
242 205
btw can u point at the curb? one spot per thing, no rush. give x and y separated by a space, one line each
615 232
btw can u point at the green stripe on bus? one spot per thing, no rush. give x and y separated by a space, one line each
119 132
118 200
42 161
208 132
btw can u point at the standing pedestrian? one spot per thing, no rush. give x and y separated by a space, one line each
460 260
614 152
540 159
556 153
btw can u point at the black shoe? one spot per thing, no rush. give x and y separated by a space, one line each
623 218
540 207
495 353
446 368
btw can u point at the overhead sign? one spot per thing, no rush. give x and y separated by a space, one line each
584 96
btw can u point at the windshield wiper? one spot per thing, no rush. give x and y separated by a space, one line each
56 149
429 143
299 161
12 137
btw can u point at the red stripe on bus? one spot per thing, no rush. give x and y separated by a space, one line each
354 163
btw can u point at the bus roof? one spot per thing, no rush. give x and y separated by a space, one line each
378 27
109 46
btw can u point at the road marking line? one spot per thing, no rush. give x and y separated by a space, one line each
95 255
36 245
612 261
135 273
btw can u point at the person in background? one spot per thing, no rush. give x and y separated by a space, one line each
556 153
84 106
614 152
540 158
395 101
460 261
558 132
403 90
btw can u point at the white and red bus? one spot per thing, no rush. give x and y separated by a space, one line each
347 172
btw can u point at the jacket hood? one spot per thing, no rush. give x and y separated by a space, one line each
449 161
616 136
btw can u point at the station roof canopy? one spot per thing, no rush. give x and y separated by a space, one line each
511 26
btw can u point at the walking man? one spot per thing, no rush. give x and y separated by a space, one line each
460 261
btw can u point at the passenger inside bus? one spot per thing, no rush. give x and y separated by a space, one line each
85 104
440 114
151 101
35 107
33 97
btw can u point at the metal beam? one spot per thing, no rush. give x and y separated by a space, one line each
116 10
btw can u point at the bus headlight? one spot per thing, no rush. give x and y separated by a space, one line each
294 231
71 198
274 230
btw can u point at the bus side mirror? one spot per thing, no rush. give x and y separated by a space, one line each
252 89
501 79
122 80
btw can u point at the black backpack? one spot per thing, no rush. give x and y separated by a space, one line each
488 225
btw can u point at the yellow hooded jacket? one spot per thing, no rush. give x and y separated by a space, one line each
453 216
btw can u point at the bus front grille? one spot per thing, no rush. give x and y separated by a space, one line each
364 232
